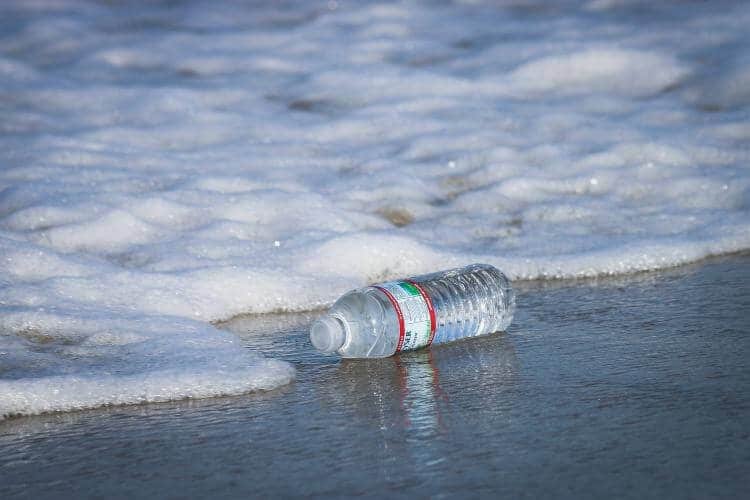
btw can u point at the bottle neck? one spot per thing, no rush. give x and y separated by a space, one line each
328 333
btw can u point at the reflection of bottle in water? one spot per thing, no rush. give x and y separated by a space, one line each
408 409
380 320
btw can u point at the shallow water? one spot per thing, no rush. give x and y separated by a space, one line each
633 387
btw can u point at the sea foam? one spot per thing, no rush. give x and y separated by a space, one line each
163 168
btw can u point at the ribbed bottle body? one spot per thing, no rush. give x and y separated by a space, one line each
386 318
469 301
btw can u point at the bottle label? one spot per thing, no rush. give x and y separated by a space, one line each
416 316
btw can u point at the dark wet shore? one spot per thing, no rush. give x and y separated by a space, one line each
637 386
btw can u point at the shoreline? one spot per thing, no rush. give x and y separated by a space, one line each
522 286
606 387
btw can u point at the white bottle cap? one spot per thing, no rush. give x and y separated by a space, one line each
327 334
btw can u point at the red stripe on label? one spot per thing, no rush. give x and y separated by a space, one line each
401 328
428 300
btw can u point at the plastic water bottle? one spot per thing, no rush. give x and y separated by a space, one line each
381 320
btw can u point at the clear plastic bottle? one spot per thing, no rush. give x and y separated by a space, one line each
381 320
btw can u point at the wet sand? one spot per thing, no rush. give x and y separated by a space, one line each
636 386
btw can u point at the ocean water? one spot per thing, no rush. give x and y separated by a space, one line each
169 165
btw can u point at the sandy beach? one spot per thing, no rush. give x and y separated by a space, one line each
634 387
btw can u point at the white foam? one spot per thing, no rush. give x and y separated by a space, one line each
611 71
158 176
63 358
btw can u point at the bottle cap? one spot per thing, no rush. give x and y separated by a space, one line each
327 334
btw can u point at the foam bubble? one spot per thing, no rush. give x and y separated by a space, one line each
607 70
